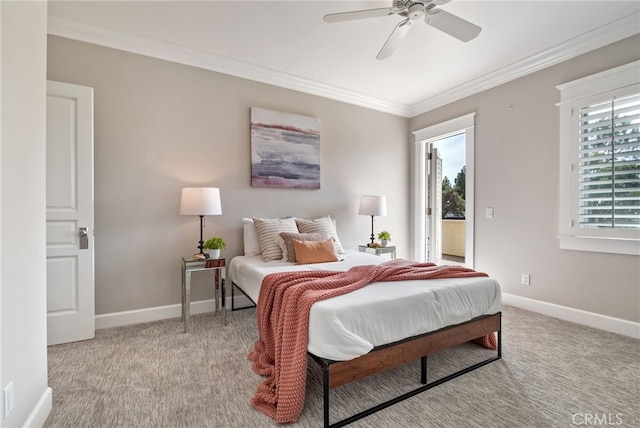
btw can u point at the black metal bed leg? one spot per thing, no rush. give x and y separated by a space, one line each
325 392
423 370
233 298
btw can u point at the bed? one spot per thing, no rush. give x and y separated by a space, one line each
382 324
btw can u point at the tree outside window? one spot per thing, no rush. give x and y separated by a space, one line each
453 197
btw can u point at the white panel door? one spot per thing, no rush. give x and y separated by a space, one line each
70 249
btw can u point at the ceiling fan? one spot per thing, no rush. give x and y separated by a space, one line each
412 10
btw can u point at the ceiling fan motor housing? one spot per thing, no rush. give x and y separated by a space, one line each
400 4
415 9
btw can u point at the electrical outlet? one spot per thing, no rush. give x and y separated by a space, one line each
489 212
8 399
526 279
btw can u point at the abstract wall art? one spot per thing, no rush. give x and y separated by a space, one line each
285 150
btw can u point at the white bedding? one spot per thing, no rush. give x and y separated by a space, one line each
351 325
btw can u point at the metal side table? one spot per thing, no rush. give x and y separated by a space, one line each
189 266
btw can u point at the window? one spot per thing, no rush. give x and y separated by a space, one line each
609 154
600 162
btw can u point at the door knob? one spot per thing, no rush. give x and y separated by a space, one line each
84 238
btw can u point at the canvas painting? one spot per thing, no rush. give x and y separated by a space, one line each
285 150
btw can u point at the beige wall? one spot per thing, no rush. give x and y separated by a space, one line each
160 126
517 166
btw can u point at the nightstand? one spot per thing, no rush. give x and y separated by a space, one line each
219 275
378 250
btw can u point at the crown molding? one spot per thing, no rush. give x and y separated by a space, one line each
601 36
597 38
167 51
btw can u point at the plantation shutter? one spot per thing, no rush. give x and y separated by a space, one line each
609 164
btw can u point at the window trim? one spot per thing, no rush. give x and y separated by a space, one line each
572 93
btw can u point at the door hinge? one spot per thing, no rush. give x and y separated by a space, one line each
429 156
428 211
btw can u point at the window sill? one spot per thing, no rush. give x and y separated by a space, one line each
600 245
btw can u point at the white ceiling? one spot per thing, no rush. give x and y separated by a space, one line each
286 43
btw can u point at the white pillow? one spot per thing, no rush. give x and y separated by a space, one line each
267 230
319 225
251 243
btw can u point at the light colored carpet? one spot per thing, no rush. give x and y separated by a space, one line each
553 374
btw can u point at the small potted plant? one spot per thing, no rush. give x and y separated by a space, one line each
214 245
384 238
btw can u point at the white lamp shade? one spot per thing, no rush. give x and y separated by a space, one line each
200 201
373 205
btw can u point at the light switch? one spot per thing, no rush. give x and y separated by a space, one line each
489 212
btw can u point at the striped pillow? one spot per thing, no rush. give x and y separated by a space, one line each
267 230
319 225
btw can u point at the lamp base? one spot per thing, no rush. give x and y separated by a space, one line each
201 255
373 237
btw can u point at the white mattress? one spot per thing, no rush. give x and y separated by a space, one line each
351 325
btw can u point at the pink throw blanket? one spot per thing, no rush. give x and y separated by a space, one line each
283 319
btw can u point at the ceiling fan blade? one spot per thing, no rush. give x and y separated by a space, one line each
394 39
361 14
452 25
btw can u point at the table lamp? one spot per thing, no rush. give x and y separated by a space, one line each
373 206
200 201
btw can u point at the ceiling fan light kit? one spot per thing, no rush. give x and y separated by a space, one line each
411 9
416 11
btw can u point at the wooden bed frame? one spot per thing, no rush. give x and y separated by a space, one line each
337 373
381 358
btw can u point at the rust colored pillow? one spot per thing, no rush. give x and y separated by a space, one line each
285 241
315 251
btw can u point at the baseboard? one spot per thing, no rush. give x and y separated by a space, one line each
158 313
590 319
40 412
138 316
